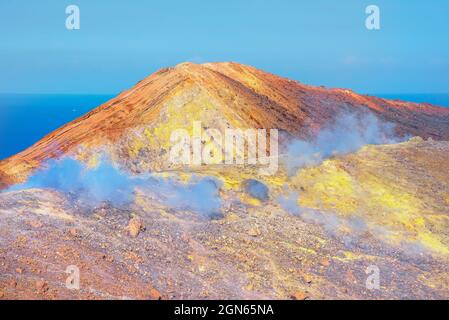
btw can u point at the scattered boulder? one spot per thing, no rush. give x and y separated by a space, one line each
36 224
41 286
154 294
300 295
216 215
254 232
73 232
135 226
307 278
324 262
416 139
256 189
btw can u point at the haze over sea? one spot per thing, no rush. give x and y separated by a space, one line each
26 118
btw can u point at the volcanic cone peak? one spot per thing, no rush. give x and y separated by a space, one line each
229 232
135 126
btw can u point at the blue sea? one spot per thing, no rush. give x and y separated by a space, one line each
25 119
441 99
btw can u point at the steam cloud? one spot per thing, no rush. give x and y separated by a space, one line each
348 133
107 183
329 221
350 230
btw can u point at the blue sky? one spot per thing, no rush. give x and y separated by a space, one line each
315 42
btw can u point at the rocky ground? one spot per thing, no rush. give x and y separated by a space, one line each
310 233
255 248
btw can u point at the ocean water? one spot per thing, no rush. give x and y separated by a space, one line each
25 119
436 99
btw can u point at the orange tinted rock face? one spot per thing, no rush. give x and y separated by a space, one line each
135 226
5 180
243 96
383 205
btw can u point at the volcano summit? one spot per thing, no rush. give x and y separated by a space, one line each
362 182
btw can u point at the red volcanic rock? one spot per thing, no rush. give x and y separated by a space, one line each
41 286
135 226
238 93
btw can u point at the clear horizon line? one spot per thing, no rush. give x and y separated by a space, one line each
117 93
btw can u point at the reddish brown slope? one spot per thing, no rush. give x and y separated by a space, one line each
254 97
318 105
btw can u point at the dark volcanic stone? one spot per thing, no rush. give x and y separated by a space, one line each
256 189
